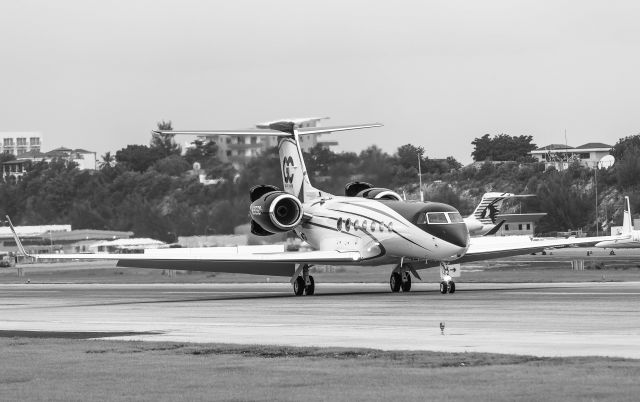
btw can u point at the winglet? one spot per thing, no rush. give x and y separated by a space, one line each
627 225
17 239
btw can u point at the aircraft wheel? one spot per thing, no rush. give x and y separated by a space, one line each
310 289
452 287
298 286
406 283
444 288
395 281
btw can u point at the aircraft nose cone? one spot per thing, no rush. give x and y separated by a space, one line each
456 234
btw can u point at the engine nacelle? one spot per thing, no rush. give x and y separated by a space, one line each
275 212
378 193
366 190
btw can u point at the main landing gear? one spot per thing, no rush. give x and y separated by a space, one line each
400 279
304 284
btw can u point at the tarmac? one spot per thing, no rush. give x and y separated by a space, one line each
542 319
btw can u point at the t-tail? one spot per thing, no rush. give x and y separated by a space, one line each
295 178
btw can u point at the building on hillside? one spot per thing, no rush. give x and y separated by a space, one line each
240 149
19 142
15 169
518 224
561 156
86 160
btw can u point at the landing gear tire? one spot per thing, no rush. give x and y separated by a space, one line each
452 287
298 286
310 289
395 282
444 288
406 283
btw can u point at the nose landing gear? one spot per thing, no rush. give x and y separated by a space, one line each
447 285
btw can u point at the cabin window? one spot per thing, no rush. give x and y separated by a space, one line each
528 226
373 226
390 227
364 225
437 217
339 224
506 227
356 225
347 224
520 226
455 217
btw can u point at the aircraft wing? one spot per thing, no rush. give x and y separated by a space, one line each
280 263
487 248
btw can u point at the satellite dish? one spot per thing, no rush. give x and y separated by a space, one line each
606 162
196 166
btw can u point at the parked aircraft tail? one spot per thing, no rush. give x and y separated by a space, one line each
627 224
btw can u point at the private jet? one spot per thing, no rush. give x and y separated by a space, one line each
367 226
630 238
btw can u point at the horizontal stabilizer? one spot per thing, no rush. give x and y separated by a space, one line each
326 130
205 133
270 131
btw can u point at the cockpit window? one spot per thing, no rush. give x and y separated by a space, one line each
455 217
422 219
437 217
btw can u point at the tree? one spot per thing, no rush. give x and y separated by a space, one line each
502 147
164 143
405 170
107 161
172 165
137 157
630 144
318 160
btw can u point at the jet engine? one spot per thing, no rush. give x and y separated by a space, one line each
366 190
273 211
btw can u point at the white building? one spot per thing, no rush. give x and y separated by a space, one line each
561 156
19 142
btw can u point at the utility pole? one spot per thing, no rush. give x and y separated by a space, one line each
420 178
596 180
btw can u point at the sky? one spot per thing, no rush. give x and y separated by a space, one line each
99 74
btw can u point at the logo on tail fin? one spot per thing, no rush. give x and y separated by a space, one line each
287 174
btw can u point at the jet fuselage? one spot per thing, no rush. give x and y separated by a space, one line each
383 231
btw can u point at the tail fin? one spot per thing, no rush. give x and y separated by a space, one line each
490 205
627 224
294 173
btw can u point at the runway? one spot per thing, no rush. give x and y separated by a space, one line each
544 319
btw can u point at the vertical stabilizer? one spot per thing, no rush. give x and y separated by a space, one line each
627 225
490 206
295 178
